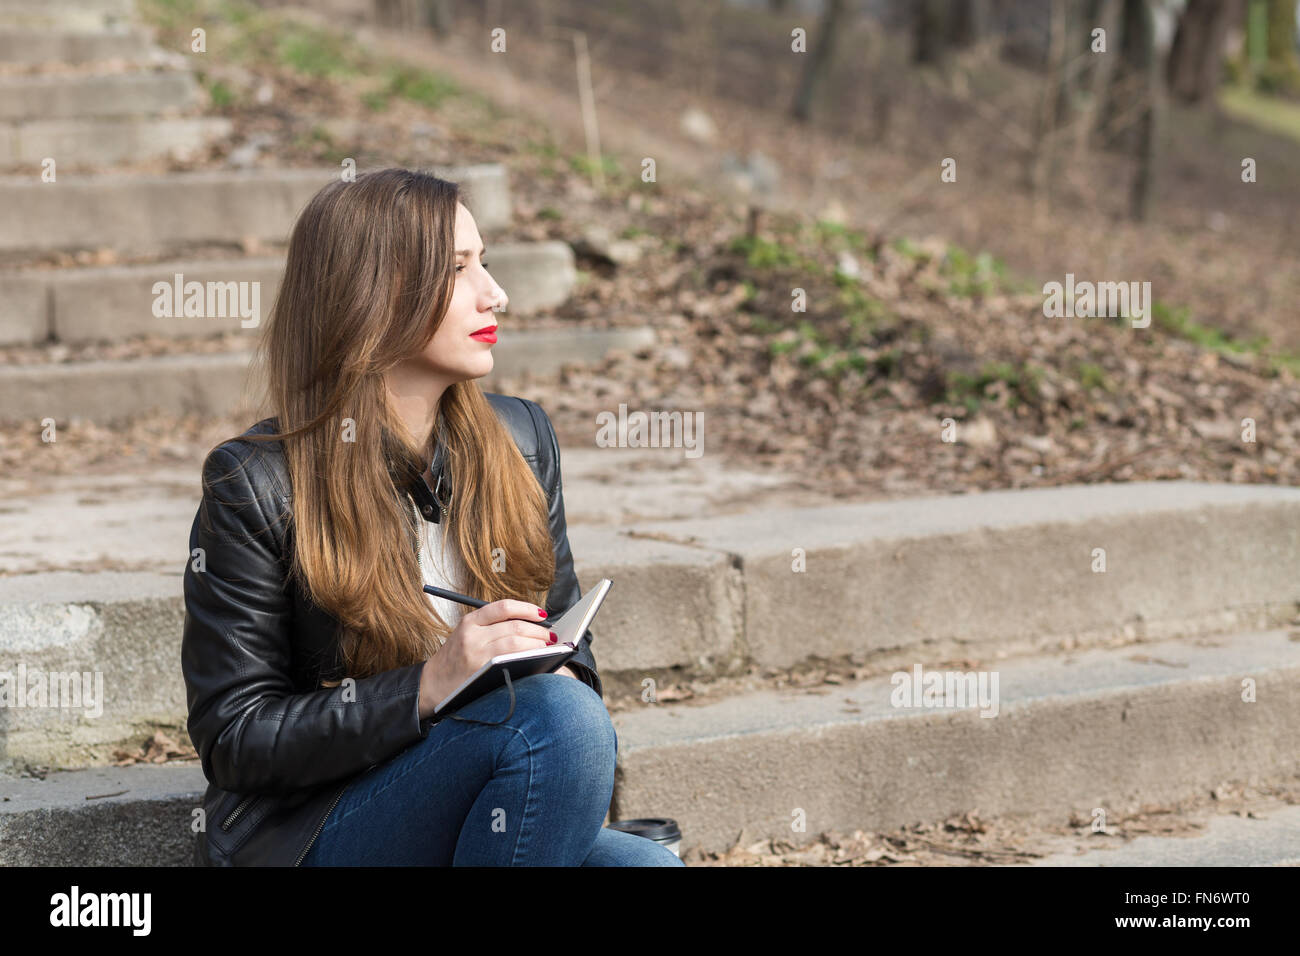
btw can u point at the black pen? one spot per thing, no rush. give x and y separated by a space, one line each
466 599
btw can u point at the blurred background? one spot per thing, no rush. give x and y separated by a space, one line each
772 170
825 226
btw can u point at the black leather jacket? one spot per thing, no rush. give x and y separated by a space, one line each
277 748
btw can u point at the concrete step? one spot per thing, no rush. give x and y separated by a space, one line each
67 14
108 141
139 815
221 383
1005 568
1106 728
723 601
109 304
1100 728
50 96
32 46
1269 839
160 214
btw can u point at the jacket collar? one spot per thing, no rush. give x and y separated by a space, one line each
430 500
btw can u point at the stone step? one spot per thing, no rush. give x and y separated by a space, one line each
109 304
152 214
32 46
1104 728
220 383
1098 728
108 141
1271 839
103 816
1001 568
67 14
733 599
50 96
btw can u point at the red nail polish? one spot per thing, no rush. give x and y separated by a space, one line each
541 613
551 640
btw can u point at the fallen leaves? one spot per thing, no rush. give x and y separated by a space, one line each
159 748
964 836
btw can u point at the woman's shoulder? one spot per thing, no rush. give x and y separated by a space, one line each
243 460
527 422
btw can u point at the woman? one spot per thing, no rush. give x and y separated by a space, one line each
312 657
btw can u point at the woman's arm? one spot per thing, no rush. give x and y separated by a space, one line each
253 733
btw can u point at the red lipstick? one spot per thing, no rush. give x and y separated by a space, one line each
486 334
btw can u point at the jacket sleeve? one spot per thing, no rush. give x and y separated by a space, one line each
565 591
253 733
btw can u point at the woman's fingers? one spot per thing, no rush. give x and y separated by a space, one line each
505 610
512 630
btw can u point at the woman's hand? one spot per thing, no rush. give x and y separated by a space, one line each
497 628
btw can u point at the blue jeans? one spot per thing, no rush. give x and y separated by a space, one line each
529 792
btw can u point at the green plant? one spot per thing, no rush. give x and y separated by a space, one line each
1091 376
419 86
839 236
763 253
864 313
579 163
1179 321
906 247
314 52
221 94
1022 380
972 276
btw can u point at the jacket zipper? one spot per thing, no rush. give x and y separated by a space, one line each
234 815
438 498
320 826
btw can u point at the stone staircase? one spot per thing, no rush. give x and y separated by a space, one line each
81 84
214 225
1116 688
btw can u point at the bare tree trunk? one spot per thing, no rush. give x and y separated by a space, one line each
1103 68
968 22
930 30
1196 59
1140 25
438 16
819 59
1281 31
1041 157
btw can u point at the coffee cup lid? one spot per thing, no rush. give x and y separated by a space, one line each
652 828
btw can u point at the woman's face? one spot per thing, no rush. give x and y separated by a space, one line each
452 352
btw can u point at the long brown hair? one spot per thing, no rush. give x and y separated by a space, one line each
367 280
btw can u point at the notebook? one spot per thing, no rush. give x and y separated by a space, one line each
568 628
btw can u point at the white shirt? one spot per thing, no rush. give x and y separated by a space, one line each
441 567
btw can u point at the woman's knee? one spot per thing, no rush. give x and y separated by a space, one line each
619 848
559 704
